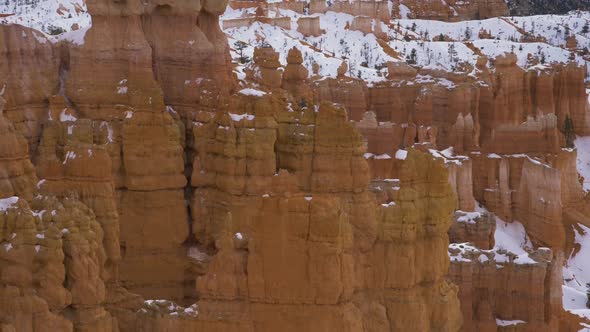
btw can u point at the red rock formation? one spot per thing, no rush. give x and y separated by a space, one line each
348 92
460 178
144 141
52 256
372 8
267 63
298 219
18 176
452 10
475 227
27 53
300 163
531 190
311 224
309 26
363 24
497 289
295 76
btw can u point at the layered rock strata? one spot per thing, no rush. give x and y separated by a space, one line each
149 171
451 10
500 289
259 199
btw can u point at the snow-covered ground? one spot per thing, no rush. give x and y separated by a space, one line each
576 275
510 237
576 272
411 39
49 16
556 28
328 51
417 41
583 161
513 237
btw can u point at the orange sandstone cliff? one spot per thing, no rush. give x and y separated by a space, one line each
147 184
134 168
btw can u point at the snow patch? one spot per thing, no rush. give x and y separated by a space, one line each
383 156
252 92
501 322
583 159
468 217
76 37
70 155
401 154
240 117
7 203
66 116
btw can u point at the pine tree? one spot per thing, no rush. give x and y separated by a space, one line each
413 57
468 33
240 47
569 132
452 52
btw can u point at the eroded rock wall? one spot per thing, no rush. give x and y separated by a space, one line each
451 10
156 178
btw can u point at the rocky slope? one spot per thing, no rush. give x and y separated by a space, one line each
449 10
539 7
292 172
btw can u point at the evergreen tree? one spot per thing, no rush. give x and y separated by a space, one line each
413 57
568 129
240 47
468 33
452 52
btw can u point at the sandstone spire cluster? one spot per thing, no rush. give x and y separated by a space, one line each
158 176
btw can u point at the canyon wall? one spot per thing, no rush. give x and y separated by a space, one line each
451 10
145 188
504 137
136 174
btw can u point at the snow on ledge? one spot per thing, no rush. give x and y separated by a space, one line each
501 322
7 203
252 92
66 116
75 37
401 154
383 156
239 117
468 217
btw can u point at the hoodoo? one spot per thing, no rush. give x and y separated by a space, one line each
313 165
